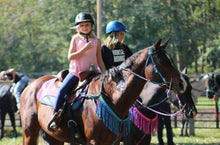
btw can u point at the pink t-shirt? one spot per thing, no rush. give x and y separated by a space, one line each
89 57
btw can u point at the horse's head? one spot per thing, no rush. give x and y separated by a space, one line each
212 85
160 68
185 101
186 98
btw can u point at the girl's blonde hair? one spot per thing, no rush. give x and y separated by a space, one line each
112 40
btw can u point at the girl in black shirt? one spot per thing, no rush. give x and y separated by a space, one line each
114 51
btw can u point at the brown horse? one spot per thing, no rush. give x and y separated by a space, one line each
117 89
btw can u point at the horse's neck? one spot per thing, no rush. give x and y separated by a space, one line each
152 94
130 93
129 86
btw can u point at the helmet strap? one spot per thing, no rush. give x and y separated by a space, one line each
86 35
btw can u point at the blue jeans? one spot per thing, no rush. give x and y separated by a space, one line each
19 87
68 83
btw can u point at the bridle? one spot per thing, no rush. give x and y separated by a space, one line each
178 113
150 57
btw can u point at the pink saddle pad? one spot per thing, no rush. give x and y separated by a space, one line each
48 89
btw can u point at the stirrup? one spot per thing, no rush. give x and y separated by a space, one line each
52 126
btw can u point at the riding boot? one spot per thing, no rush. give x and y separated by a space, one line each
53 125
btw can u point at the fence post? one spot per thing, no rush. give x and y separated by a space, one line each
191 127
175 121
216 110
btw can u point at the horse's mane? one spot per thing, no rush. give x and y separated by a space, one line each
116 72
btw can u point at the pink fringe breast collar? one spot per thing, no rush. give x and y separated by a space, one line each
148 126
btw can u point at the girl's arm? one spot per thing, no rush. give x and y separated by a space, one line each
12 71
73 54
5 73
99 54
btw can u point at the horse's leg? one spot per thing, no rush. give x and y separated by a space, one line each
50 140
31 128
3 113
29 120
187 123
160 129
182 127
12 118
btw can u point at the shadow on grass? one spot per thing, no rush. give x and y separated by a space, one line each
10 134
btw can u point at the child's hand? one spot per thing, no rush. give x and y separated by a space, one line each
89 45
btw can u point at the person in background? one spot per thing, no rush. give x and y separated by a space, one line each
165 120
114 51
20 81
84 51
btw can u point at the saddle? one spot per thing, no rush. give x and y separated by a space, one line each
74 99
48 92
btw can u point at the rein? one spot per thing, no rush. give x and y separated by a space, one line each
178 113
149 57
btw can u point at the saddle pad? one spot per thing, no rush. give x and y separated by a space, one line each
4 90
48 92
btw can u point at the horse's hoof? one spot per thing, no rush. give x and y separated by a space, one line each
1 137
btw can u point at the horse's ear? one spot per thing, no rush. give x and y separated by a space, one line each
184 71
165 44
157 44
213 75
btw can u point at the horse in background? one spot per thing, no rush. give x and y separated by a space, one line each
198 87
213 85
7 105
151 98
102 119
213 91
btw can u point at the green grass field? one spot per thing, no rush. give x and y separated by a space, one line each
202 136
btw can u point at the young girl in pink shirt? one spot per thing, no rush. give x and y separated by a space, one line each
85 50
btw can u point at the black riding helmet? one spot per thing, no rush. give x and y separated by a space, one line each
83 17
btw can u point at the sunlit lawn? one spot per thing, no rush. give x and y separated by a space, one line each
202 136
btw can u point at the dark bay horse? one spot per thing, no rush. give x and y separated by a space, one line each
213 91
104 119
7 105
152 97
